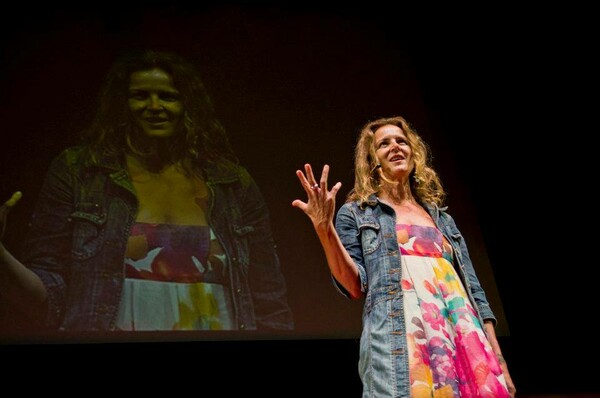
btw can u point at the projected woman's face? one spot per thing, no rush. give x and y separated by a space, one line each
154 102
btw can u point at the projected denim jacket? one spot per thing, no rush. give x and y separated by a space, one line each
81 224
369 235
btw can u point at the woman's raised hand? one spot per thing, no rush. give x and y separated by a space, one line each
320 205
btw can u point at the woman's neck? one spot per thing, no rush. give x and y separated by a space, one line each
397 194
145 164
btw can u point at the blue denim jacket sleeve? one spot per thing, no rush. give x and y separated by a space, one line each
48 245
265 277
346 226
472 282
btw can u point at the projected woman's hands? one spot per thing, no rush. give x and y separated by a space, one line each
5 209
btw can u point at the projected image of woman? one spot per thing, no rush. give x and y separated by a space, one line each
150 224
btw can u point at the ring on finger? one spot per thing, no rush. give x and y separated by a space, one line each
315 186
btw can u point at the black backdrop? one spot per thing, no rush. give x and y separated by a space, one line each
292 85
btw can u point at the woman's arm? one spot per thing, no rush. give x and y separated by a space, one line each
19 287
320 208
48 246
267 283
483 307
491 335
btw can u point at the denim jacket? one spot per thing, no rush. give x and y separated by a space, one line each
80 227
368 233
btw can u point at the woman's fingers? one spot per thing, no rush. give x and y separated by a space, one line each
14 199
324 177
299 204
310 177
306 184
320 205
310 183
335 188
307 179
4 209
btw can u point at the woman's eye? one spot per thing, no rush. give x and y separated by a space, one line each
170 98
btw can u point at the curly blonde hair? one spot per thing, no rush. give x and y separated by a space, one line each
425 183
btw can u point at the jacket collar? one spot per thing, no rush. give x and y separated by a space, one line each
433 209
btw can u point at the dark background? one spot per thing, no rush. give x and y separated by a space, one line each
292 85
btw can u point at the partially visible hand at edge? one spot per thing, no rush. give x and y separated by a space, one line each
5 209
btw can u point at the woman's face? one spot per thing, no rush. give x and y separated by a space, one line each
393 152
154 102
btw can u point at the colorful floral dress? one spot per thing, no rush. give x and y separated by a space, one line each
449 354
175 279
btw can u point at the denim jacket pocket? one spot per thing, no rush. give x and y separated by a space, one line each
242 230
88 233
379 295
242 235
370 236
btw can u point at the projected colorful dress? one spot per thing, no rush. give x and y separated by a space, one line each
175 279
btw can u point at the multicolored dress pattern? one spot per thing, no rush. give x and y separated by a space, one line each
449 354
175 279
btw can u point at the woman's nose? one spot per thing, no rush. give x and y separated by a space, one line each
154 103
